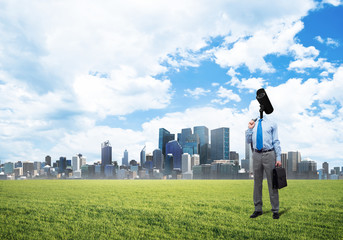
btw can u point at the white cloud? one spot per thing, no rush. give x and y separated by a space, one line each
301 65
121 93
328 41
215 84
251 84
335 3
276 39
196 93
225 96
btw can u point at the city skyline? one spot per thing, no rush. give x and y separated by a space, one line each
75 75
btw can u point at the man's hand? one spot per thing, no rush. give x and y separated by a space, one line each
251 124
278 164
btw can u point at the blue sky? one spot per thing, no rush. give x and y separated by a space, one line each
73 76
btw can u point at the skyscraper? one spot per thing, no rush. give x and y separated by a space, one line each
48 160
157 159
191 144
186 163
62 164
293 160
143 156
202 133
185 134
164 137
125 159
220 144
174 148
326 168
106 154
76 163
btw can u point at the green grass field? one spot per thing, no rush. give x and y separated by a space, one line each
157 209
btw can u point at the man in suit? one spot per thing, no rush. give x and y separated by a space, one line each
266 155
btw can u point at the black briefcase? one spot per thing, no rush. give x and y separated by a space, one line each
279 178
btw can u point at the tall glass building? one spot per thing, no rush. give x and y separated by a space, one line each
293 159
202 133
143 157
62 164
125 159
174 148
157 159
106 153
164 137
220 144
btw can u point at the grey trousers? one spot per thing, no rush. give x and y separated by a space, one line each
264 162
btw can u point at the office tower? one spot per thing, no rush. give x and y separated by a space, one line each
233 155
195 160
191 144
186 163
18 164
336 170
185 134
125 159
164 137
157 159
325 166
36 166
76 163
62 164
248 155
83 161
8 168
169 163
48 160
174 148
28 168
307 165
204 152
143 157
293 160
245 164
284 160
106 154
220 145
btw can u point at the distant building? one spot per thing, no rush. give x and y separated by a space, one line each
164 137
233 156
28 168
62 164
76 163
9 168
174 148
337 171
157 159
220 146
293 160
186 163
307 169
106 153
48 160
143 157
169 163
325 167
125 159
195 160
203 135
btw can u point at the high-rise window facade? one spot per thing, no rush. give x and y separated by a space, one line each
106 153
174 148
220 144
202 133
164 137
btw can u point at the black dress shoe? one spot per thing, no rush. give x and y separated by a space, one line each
255 214
276 215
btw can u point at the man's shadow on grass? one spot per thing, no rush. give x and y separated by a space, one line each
284 211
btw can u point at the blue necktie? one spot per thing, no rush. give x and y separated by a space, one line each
259 137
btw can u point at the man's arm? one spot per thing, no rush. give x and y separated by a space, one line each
248 133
